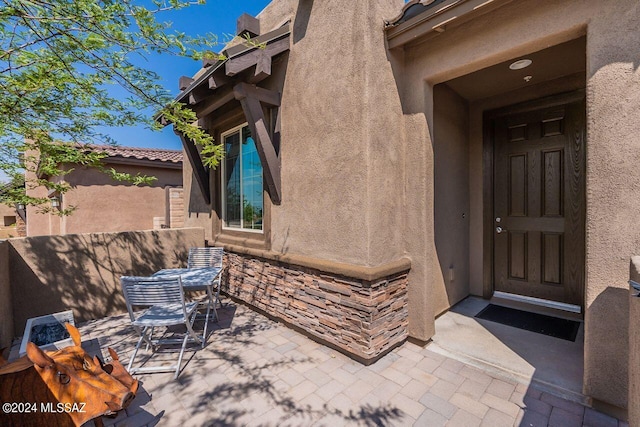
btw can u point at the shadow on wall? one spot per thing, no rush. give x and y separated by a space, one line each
301 21
607 321
82 271
197 205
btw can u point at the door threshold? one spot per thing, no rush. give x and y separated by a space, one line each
544 306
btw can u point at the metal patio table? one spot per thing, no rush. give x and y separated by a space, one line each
196 279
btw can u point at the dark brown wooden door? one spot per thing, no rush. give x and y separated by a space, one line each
539 203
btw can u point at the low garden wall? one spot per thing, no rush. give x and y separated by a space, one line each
363 318
634 345
82 272
6 310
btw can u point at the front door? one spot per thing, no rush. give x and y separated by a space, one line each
539 203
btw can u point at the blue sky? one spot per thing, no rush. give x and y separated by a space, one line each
217 17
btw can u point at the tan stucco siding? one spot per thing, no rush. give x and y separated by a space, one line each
6 307
105 205
339 112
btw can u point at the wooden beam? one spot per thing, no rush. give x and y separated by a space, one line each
199 94
268 157
216 81
263 66
200 172
213 103
184 82
245 61
248 25
244 90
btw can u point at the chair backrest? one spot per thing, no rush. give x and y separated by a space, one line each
205 257
148 291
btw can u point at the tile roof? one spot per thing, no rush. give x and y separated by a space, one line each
139 153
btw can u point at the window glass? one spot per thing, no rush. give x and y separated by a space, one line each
242 186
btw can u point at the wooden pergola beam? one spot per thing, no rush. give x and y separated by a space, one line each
264 145
184 82
269 97
243 62
200 172
213 103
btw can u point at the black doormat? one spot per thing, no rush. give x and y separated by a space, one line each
540 323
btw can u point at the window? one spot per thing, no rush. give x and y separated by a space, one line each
242 202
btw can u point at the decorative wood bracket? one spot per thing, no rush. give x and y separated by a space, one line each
250 98
201 173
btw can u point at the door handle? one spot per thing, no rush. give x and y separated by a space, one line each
500 230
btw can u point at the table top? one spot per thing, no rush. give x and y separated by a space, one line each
191 277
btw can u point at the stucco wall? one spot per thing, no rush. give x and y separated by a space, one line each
197 213
451 204
81 271
634 345
613 103
341 140
6 309
105 205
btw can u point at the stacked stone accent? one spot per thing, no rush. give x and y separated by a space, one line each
362 318
176 207
21 227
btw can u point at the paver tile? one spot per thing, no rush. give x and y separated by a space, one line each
430 418
291 377
438 405
447 375
396 376
302 390
495 418
343 376
386 390
501 405
452 365
427 364
572 407
472 389
329 390
407 405
479 409
561 418
443 389
476 375
464 419
500 388
594 418
317 376
537 405
415 389
358 390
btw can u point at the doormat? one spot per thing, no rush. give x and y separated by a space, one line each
534 322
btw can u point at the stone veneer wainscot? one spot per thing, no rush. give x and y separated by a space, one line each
362 318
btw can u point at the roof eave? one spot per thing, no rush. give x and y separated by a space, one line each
434 21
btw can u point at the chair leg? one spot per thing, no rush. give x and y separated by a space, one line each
135 352
184 344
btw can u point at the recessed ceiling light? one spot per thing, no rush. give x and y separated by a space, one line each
520 64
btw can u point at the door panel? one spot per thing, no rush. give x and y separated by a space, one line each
539 203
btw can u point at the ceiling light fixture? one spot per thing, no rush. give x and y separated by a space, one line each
520 64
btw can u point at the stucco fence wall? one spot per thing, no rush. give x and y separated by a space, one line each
634 345
6 312
46 274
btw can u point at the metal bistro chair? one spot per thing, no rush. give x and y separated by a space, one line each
165 306
204 258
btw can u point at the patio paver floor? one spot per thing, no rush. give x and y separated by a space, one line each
257 372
